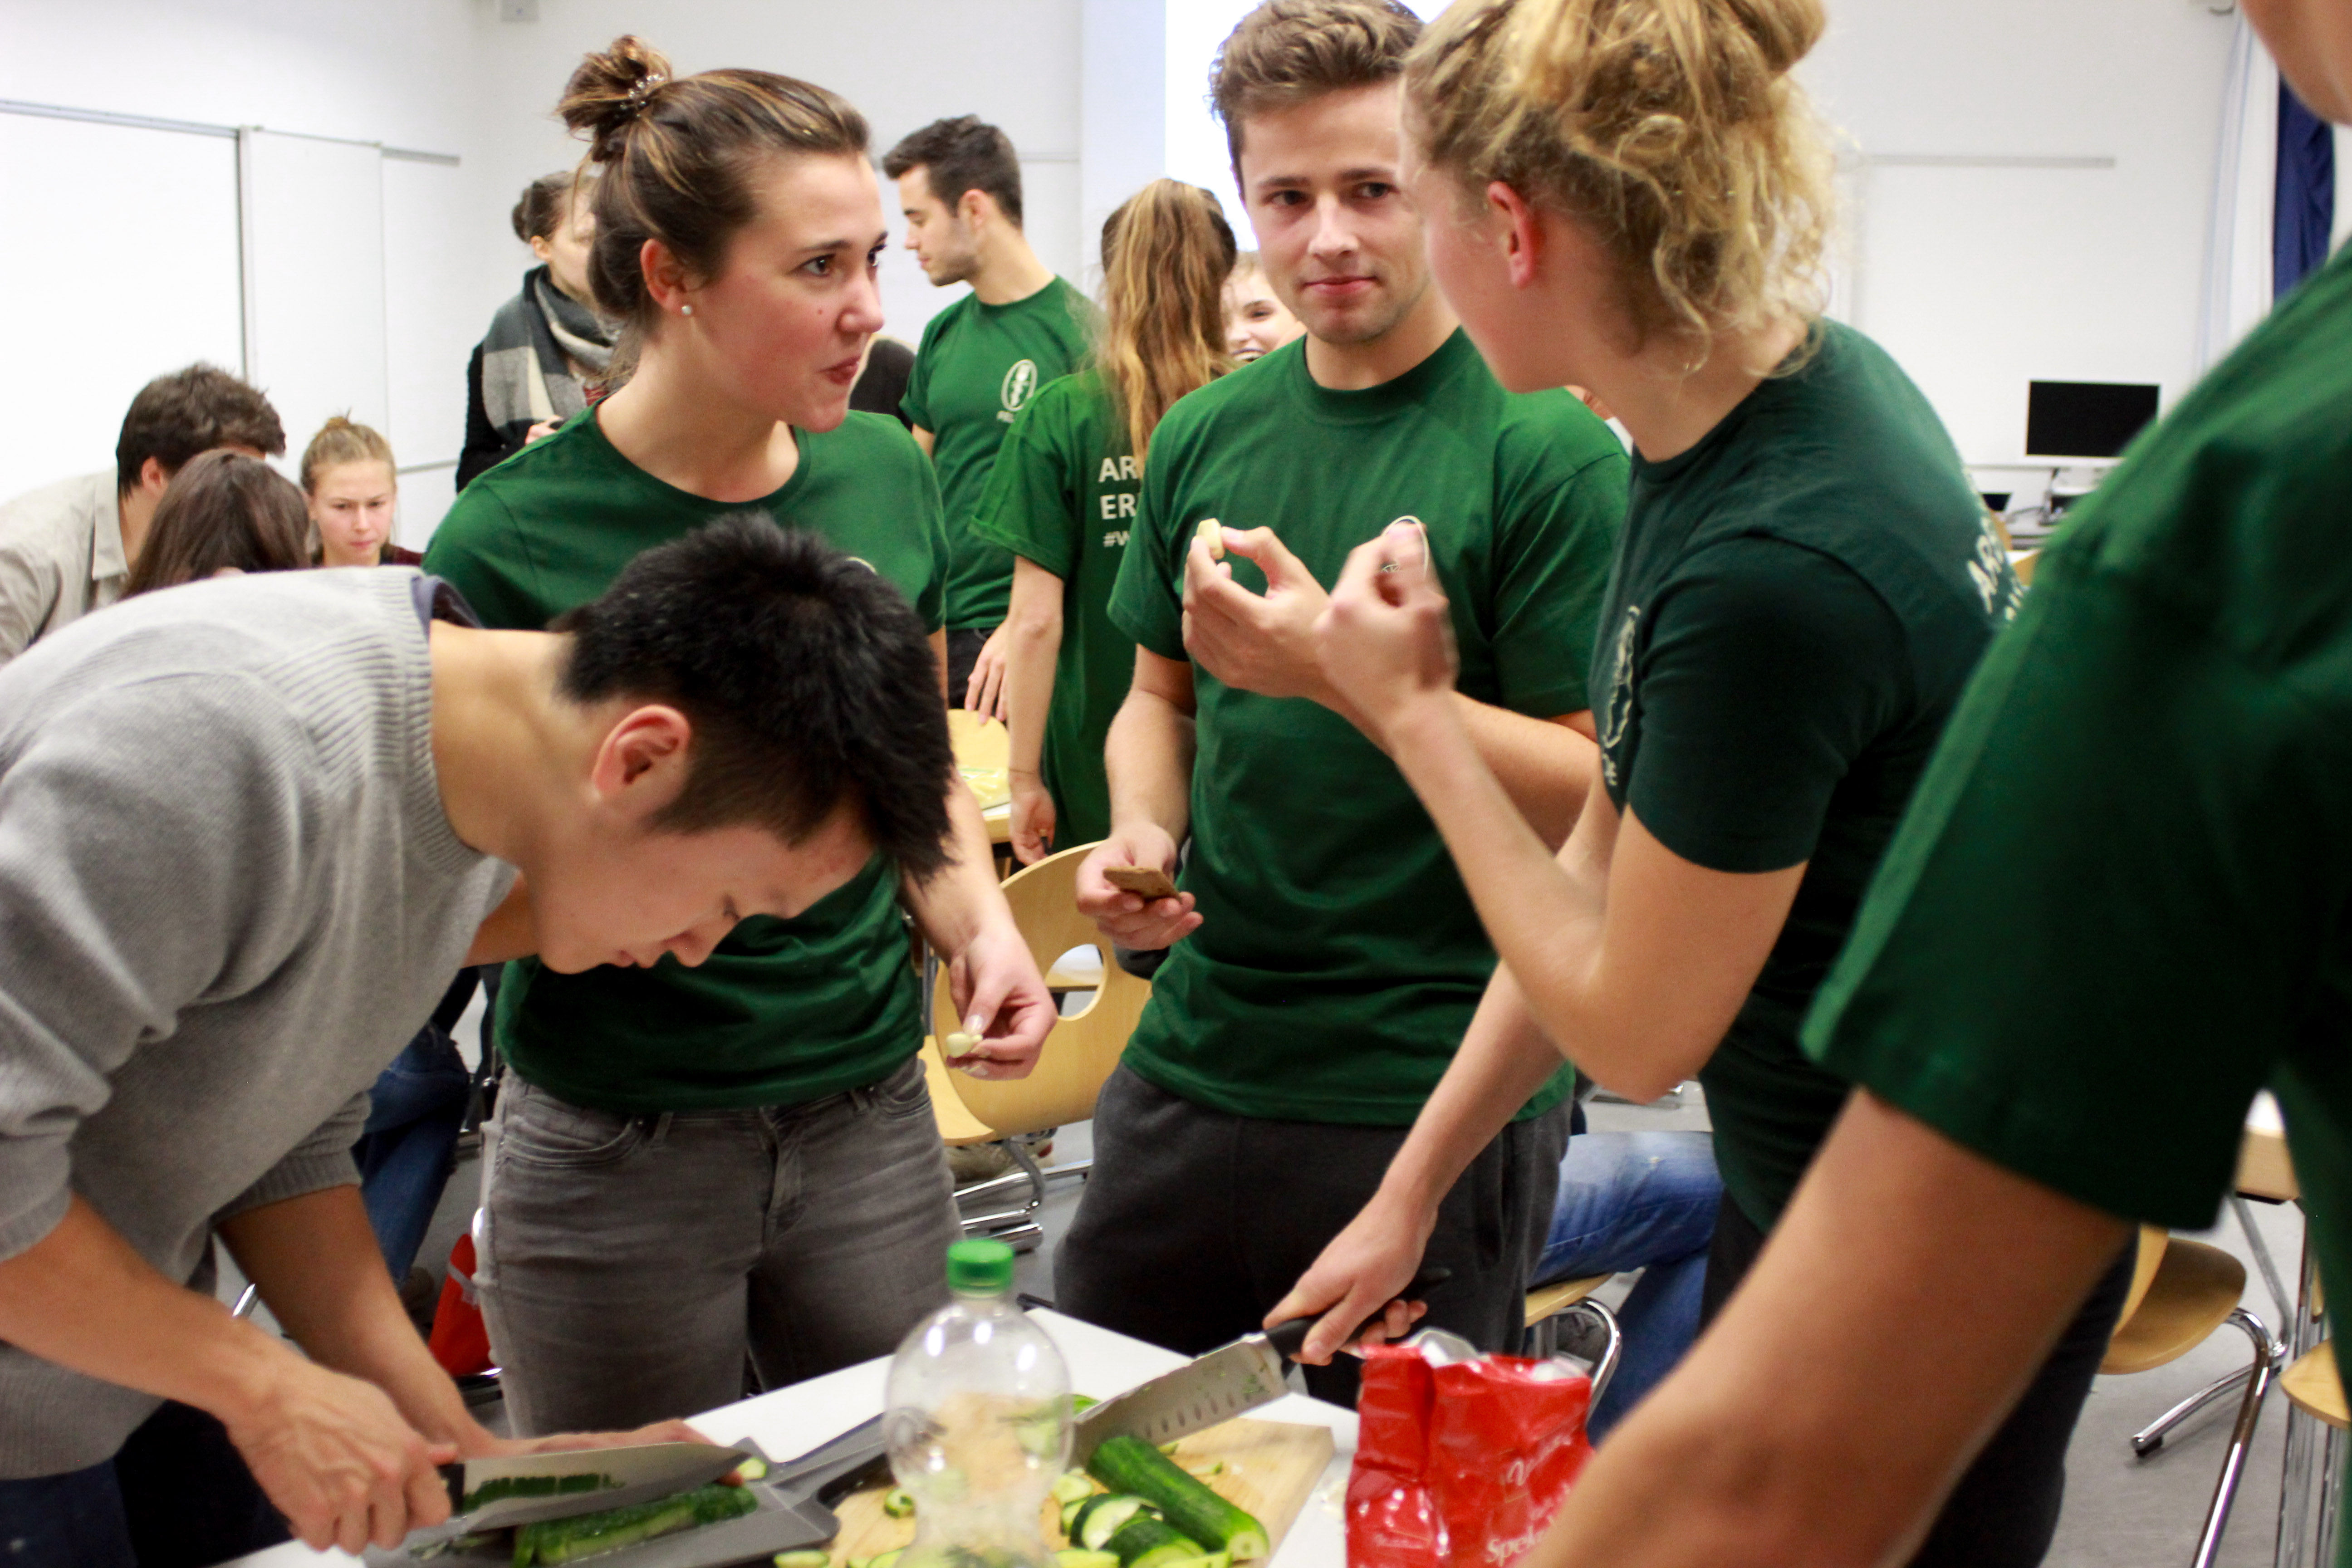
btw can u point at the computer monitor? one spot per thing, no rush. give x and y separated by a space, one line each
2085 420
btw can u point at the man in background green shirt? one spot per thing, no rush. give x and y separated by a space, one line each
982 359
1327 960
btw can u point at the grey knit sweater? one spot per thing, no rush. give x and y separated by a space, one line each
228 895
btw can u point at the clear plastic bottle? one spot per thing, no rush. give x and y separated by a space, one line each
978 1421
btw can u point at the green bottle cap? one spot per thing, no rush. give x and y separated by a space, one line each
980 1266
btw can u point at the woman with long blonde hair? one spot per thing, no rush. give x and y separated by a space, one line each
1062 498
1630 197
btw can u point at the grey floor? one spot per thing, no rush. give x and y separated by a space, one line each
2120 1513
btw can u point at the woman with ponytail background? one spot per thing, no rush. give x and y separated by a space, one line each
699 1165
1630 197
1062 498
545 345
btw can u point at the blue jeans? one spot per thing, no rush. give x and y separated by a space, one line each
176 1496
409 1145
1646 1201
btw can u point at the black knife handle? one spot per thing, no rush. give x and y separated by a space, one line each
454 1477
1290 1338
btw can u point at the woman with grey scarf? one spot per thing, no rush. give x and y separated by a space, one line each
528 375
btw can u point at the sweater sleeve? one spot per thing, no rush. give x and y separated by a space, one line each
322 1160
121 904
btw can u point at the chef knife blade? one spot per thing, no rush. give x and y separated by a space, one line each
615 1478
1215 1388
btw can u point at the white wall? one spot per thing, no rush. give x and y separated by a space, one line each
1979 279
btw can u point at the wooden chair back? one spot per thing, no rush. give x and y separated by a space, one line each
1083 1048
2189 1293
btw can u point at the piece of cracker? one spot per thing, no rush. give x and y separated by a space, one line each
1148 881
1213 534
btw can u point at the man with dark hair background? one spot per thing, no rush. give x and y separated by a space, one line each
67 549
203 966
981 359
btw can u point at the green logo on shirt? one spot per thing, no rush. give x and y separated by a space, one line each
1018 383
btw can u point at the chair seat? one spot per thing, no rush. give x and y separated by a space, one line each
2194 1291
2313 1384
1550 1300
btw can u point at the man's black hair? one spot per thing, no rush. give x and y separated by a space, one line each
195 410
809 681
965 153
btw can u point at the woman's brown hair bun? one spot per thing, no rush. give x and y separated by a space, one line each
610 90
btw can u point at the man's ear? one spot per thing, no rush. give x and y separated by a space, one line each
154 476
641 764
1523 236
974 207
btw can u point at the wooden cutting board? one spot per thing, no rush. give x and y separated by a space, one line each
1270 1467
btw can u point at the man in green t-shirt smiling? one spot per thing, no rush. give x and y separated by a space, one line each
1325 959
981 360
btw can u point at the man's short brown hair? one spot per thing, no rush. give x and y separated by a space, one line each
175 417
1288 51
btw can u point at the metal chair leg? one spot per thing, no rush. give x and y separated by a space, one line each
2150 1437
2241 1437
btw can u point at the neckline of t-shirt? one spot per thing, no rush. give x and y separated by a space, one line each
1374 405
1052 290
802 441
1824 342
432 837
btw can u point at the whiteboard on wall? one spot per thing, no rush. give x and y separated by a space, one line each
134 274
427 241
314 277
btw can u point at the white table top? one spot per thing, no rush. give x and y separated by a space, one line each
792 1421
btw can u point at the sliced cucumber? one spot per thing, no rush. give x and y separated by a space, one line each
1074 1486
754 1470
803 1560
1146 1542
884 1559
1128 1464
1213 1467
558 1541
898 1503
1101 1518
1070 1511
1078 1557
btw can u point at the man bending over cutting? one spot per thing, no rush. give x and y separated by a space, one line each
248 830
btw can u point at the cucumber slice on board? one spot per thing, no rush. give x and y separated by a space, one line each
1075 1557
803 1560
1101 1518
1145 1542
1128 1464
1073 1486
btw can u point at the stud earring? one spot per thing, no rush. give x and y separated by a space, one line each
686 309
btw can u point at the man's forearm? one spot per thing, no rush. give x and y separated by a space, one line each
960 897
1504 1060
82 1298
1149 756
1545 765
1032 629
317 1263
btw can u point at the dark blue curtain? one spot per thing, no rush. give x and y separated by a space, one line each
2305 210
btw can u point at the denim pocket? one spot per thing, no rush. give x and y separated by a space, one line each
541 1129
904 1095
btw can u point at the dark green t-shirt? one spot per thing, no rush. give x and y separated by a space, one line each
1064 496
784 1010
978 366
1797 603
2117 907
1340 959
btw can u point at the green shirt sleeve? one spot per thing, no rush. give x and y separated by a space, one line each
484 556
1766 668
2096 933
1148 601
1553 576
1031 507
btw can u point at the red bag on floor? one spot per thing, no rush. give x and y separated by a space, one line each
461 1341
1461 1463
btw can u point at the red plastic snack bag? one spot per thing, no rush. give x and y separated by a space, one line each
461 1341
1461 1463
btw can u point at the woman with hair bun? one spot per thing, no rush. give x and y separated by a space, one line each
699 1165
353 487
1630 195
547 345
1061 497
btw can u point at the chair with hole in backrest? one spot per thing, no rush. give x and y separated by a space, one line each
2180 1292
1077 1057
1598 1339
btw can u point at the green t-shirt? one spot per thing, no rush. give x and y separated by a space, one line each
1797 601
978 366
2116 908
784 1010
1341 959
1064 496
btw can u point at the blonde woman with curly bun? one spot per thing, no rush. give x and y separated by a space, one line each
1630 197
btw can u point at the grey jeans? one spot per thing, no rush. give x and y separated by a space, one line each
633 1262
